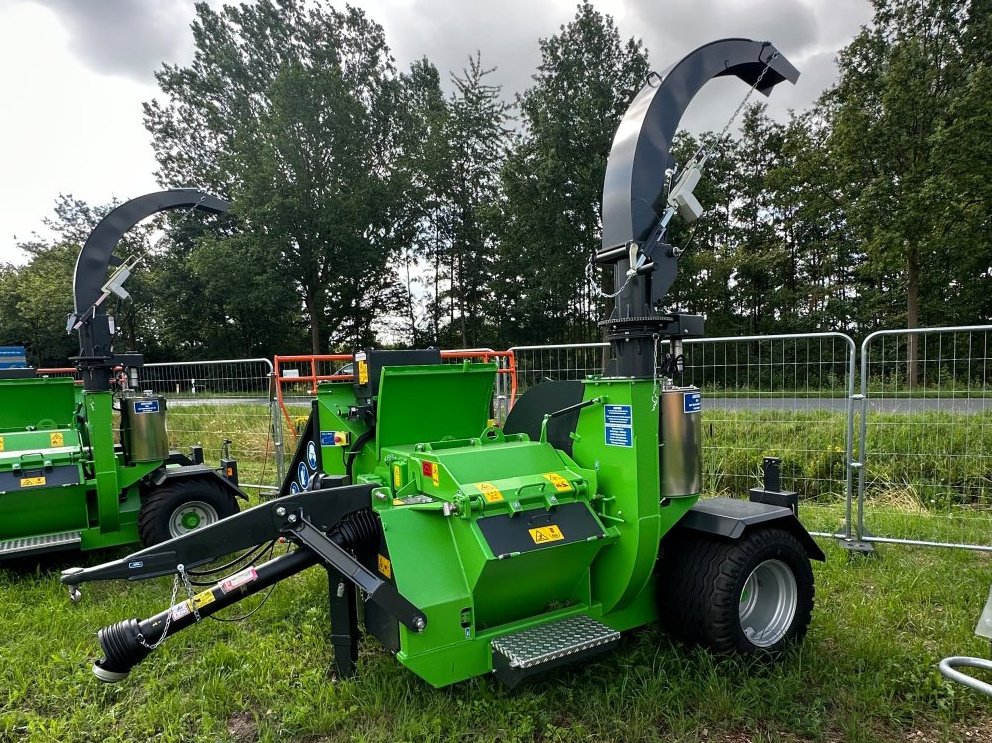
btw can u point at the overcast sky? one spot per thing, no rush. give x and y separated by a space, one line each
73 73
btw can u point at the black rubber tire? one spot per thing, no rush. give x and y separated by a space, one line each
701 580
158 507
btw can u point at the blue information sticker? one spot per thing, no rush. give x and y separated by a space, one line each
692 402
618 415
619 436
312 455
145 406
294 488
327 438
302 474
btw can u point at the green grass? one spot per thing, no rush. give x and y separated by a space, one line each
866 672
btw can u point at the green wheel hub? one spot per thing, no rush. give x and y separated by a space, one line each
190 516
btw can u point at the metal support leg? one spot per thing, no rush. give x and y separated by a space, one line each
344 623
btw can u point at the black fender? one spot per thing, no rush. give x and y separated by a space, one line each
168 474
730 518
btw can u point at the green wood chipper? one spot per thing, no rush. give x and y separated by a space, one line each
68 479
467 548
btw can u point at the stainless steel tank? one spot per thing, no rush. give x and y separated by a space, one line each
143 431
681 442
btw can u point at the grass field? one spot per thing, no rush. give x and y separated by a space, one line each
866 672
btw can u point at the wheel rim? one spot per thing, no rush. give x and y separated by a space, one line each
768 603
190 516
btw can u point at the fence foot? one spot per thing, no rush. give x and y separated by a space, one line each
852 544
857 547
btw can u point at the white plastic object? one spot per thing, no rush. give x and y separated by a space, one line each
115 284
682 198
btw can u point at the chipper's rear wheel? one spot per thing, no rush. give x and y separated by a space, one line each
182 506
752 596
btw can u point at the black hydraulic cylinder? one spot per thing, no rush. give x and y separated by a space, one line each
122 642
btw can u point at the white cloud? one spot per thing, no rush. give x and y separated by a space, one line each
75 73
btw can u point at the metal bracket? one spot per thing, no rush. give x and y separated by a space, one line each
235 533
377 590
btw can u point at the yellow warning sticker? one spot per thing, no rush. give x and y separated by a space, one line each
57 439
363 372
490 492
1 443
435 474
545 534
202 599
385 567
561 484
397 476
32 482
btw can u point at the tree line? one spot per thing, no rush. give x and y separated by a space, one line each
370 206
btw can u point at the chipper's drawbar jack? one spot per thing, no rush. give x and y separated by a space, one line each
296 517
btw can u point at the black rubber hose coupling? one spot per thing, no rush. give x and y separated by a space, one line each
122 649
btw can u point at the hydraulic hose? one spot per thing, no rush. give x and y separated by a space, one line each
128 642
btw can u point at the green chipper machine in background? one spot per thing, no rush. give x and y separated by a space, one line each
466 548
67 480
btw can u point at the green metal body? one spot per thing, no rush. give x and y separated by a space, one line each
60 468
490 534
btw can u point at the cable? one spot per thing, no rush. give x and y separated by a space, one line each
265 598
253 555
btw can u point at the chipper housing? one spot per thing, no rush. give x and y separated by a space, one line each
475 548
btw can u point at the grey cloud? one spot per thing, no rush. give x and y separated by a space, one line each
131 38
448 32
808 32
790 24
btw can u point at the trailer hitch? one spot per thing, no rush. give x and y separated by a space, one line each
327 525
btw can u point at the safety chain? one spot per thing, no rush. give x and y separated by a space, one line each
168 619
590 277
180 571
733 118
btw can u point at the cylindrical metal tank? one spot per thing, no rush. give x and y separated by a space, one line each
143 432
681 437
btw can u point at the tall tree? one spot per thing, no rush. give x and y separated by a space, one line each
903 82
288 108
478 140
553 180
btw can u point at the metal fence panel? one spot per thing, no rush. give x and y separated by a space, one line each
782 395
778 395
535 364
926 437
211 401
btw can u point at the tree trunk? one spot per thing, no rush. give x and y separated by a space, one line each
409 304
315 314
912 315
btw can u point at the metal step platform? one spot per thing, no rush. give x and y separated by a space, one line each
45 543
538 649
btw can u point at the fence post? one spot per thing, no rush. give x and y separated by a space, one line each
275 416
